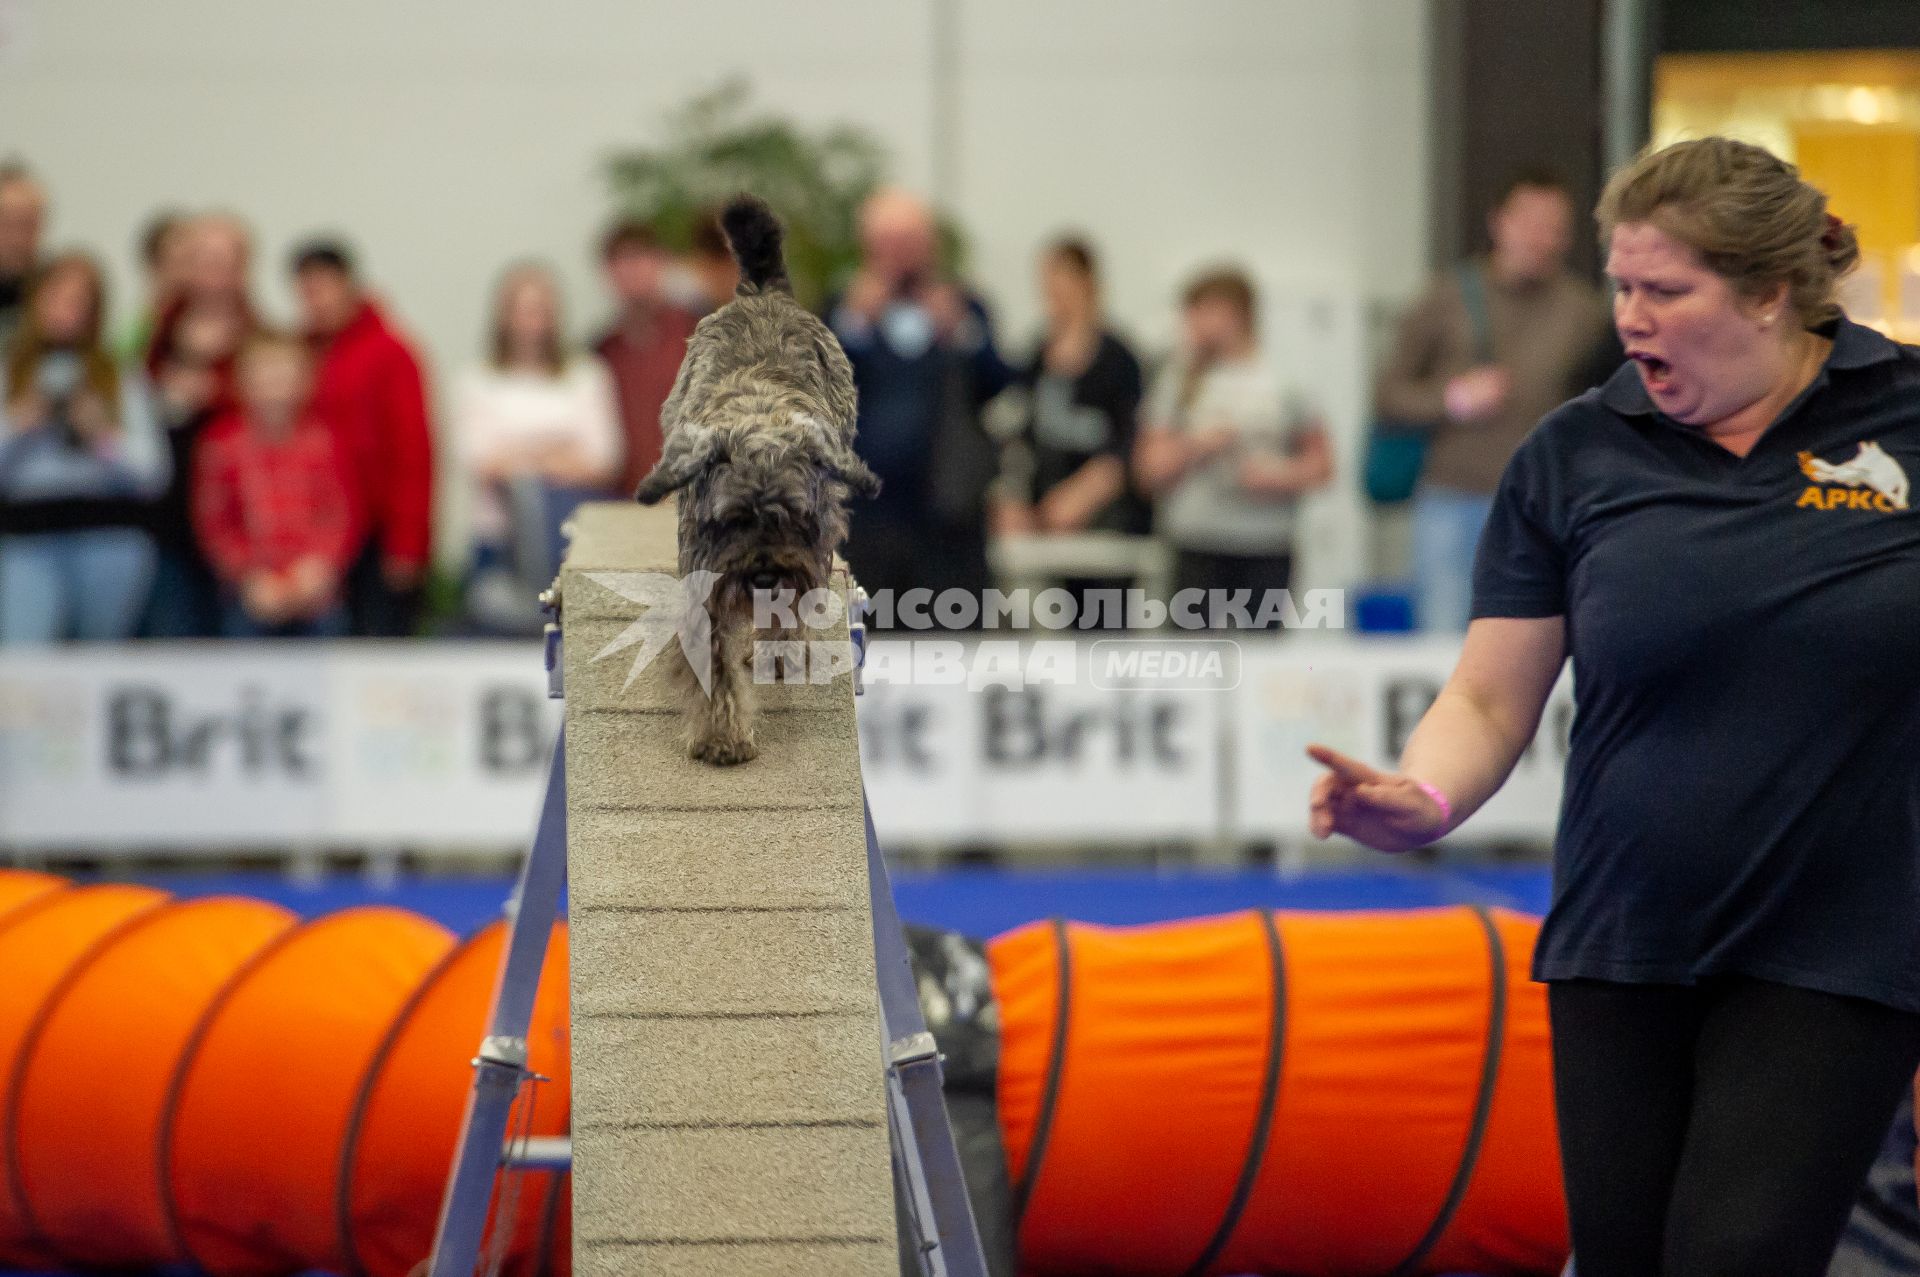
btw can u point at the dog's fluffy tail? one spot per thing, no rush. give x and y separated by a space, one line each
754 234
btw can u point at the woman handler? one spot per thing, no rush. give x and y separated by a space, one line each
1721 538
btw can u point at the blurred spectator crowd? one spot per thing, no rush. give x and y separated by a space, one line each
191 467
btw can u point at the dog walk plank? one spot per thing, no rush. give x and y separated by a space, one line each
786 1068
729 1102
789 1258
611 669
794 1181
726 962
618 536
714 858
639 762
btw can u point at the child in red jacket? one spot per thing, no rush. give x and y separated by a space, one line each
273 501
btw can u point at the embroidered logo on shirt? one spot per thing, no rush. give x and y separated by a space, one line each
1870 480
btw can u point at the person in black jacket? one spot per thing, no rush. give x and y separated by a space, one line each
924 364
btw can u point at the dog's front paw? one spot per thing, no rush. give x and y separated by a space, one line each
724 751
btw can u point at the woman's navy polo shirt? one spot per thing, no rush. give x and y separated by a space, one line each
1743 790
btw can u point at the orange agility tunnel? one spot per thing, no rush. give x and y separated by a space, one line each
406 1119
252 1145
93 1082
215 1081
42 942
20 887
1325 1093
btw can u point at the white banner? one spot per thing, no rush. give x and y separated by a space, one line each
1049 756
224 746
1363 697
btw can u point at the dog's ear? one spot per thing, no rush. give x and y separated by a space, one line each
830 450
687 453
860 481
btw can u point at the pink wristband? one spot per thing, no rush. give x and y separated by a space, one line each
1433 792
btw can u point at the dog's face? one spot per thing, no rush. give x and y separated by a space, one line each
764 518
763 497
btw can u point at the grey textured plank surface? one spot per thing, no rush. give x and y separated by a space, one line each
601 673
604 591
729 1105
640 761
714 858
603 604
707 1184
726 961
868 1258
779 1068
624 536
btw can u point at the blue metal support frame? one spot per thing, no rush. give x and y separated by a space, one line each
500 1067
926 1164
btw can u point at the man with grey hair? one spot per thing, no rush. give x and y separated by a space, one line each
23 211
924 363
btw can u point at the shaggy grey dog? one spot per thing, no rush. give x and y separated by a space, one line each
759 434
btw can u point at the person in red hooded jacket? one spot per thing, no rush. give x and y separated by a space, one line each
368 385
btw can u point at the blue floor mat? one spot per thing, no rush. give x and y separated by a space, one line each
977 901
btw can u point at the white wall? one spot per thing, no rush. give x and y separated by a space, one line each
1287 134
445 137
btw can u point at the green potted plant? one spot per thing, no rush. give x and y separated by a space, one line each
717 145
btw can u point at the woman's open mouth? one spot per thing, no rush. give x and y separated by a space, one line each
1657 372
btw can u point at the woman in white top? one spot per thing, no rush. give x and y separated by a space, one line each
536 426
1227 452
